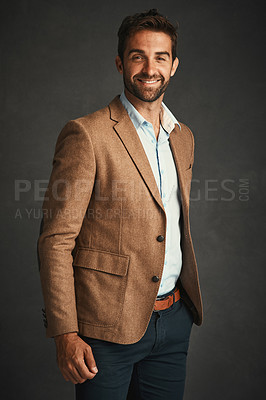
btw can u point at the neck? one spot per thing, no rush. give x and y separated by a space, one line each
149 110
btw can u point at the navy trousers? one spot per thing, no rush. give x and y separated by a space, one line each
154 368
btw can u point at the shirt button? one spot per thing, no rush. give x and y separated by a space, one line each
160 238
155 278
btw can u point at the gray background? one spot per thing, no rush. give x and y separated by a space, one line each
57 63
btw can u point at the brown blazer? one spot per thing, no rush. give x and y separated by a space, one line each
102 216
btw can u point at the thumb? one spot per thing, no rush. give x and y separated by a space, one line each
90 361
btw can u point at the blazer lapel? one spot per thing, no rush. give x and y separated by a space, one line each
127 133
176 144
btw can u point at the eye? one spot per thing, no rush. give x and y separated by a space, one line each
161 59
137 57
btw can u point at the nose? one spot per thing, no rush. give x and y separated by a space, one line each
149 68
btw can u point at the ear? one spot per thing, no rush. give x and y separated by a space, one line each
119 64
174 66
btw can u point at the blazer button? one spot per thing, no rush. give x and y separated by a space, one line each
160 238
155 278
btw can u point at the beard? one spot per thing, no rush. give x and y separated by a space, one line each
147 94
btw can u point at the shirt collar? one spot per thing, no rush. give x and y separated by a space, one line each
168 120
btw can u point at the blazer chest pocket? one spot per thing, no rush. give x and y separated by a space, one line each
100 284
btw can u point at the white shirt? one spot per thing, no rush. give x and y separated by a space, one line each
163 167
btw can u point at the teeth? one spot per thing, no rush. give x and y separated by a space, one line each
148 81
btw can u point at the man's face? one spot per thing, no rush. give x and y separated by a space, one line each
147 65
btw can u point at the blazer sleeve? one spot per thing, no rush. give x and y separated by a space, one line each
66 201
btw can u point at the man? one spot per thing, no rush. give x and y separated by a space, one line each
115 252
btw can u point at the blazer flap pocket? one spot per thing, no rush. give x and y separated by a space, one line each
104 261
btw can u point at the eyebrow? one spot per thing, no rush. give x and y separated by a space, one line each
159 53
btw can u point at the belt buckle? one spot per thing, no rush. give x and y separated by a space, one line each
164 298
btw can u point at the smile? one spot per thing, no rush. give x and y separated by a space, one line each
148 82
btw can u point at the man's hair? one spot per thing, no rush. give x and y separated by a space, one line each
149 20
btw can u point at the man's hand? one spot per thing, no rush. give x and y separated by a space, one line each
75 358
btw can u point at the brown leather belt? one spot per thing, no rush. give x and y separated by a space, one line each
167 301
